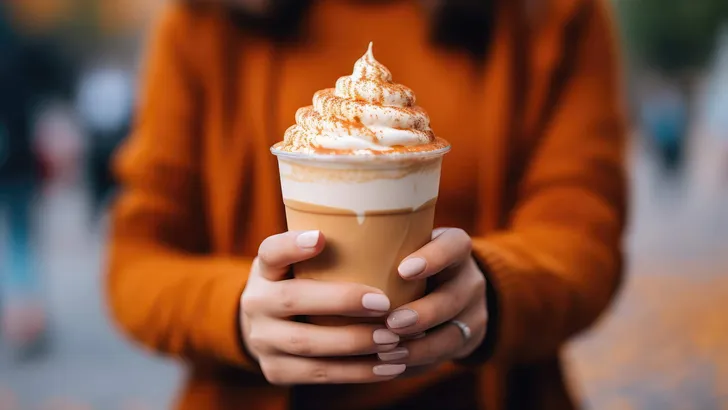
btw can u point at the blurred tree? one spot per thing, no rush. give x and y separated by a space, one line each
672 36
40 15
670 43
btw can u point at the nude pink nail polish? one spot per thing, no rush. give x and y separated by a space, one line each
384 337
375 301
389 369
412 267
396 354
402 318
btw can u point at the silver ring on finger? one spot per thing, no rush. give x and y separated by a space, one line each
464 330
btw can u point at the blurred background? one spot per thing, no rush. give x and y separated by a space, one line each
68 70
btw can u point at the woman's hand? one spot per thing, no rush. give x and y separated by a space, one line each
459 295
298 353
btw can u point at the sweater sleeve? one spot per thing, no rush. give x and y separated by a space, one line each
558 264
164 290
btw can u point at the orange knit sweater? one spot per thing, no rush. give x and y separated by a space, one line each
535 176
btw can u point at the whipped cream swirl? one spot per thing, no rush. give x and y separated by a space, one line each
366 111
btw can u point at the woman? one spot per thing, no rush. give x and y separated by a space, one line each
528 95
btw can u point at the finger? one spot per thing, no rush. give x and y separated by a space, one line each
276 253
416 371
301 339
446 342
448 248
477 320
287 370
413 336
444 303
439 345
308 297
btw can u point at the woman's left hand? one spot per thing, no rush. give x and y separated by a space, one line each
433 323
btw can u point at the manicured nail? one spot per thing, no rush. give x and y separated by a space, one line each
375 301
402 318
308 240
385 337
386 348
389 369
437 232
412 267
396 354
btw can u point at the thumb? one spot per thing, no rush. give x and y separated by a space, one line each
278 252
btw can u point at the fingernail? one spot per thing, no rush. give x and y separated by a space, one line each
412 267
375 301
402 318
389 369
396 354
437 232
386 348
385 337
308 239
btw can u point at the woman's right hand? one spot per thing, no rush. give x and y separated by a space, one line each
290 352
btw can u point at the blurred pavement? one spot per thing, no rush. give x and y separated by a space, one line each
663 344
89 366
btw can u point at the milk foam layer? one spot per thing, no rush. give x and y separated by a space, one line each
363 190
366 111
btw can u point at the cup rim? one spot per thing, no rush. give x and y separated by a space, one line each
347 159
